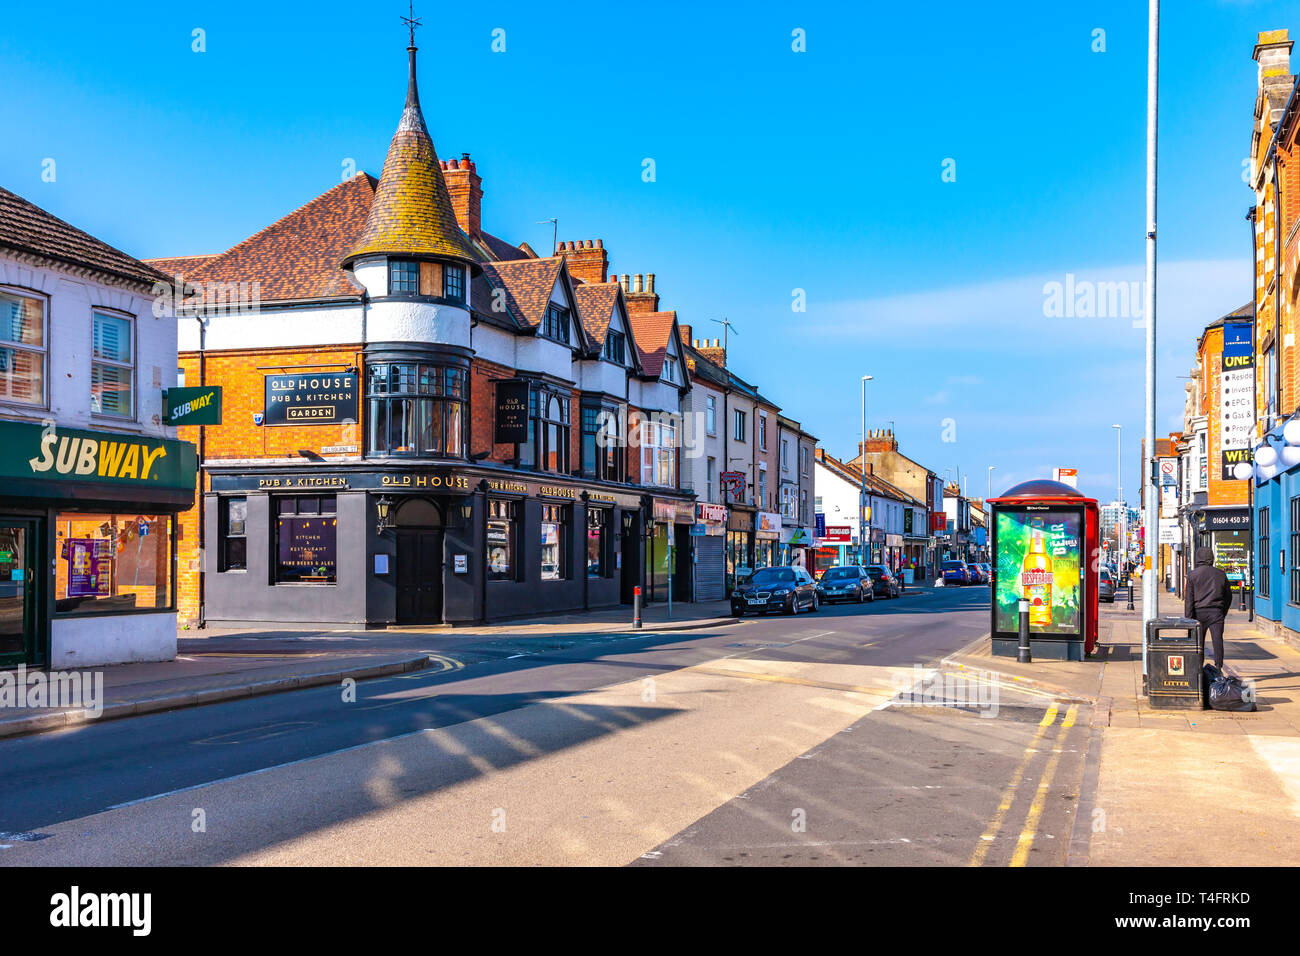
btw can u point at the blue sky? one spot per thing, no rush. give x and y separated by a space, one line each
775 171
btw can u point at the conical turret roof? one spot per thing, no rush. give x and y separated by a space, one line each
411 213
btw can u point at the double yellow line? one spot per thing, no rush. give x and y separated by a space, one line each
1030 831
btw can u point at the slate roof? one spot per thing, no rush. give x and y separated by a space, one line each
27 228
651 330
528 284
596 303
412 212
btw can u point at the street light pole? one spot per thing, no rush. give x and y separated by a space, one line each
1149 594
990 494
862 500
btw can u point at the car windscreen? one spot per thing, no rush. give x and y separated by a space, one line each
765 577
839 574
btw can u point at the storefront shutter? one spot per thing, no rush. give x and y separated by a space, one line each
709 568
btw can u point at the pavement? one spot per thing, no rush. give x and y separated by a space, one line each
219 664
1178 787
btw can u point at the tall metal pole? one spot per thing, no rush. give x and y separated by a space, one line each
862 501
1149 593
1121 550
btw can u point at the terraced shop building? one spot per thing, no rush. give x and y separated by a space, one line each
91 480
421 422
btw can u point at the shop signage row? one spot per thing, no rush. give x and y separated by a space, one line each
435 481
29 450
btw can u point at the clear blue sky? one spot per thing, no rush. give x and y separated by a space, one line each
776 170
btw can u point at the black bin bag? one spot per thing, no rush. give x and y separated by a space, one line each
1227 692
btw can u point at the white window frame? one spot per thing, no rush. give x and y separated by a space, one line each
659 454
131 366
711 414
43 351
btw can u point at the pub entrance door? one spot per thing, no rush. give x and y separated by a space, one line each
419 563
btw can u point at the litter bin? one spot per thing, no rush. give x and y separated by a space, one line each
1175 663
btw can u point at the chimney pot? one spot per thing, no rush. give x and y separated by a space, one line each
636 282
600 243
650 282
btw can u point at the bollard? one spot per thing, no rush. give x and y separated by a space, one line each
636 608
1023 656
1130 591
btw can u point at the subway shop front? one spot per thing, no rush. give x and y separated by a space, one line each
88 544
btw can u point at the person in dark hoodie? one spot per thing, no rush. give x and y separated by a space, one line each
1208 597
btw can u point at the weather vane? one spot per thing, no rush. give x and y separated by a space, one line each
412 21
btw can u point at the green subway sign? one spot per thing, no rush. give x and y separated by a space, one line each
193 406
49 453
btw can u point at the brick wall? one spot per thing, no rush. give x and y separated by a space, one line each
482 409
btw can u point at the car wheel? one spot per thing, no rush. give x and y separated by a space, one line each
815 604
794 605
861 598
737 612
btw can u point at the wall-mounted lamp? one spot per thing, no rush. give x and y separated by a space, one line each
466 510
382 507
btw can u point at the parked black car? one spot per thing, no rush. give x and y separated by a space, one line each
883 580
849 582
786 589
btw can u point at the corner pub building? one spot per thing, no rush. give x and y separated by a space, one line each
422 423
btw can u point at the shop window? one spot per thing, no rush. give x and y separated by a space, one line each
1265 562
233 517
112 369
453 283
403 277
598 543
555 529
112 563
306 529
416 410
547 446
502 537
601 447
22 348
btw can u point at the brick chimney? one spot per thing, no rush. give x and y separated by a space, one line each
711 349
880 440
466 191
640 294
686 333
587 259
1273 53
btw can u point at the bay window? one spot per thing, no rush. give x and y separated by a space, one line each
659 453
547 445
602 457
417 409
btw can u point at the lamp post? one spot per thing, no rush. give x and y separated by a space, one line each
990 494
862 499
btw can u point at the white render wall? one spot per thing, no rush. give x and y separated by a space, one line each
112 639
71 299
695 466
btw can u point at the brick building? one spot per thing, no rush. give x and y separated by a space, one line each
423 422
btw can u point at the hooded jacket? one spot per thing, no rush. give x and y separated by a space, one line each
1208 593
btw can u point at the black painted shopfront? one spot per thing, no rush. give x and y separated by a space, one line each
370 546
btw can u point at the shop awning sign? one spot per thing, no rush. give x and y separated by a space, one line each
192 406
316 398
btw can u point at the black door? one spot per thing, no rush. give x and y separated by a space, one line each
17 593
630 575
419 577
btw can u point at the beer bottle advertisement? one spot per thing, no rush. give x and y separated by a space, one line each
1039 560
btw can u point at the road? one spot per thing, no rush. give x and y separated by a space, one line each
827 738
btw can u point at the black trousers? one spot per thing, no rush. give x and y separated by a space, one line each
1212 624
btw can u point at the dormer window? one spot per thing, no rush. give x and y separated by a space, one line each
403 277
615 348
453 283
670 372
556 324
